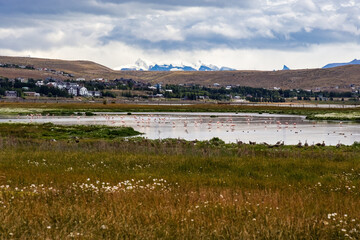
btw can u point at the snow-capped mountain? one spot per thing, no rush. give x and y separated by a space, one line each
331 65
285 68
170 67
141 65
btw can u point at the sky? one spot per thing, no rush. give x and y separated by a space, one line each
242 34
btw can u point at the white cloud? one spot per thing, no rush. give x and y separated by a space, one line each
117 54
233 33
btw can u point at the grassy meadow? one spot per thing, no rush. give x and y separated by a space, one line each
133 188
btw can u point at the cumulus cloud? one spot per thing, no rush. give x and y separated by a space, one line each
167 27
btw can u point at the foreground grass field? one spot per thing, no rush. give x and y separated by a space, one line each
136 188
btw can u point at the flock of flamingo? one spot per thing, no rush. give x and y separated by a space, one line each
245 124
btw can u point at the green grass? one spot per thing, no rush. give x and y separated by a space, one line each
103 188
52 131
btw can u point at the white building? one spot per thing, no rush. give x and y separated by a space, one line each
73 91
83 91
95 93
39 83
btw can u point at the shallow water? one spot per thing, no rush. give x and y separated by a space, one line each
230 127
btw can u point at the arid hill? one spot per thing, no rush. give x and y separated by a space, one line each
340 78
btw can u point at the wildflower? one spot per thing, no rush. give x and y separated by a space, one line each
103 227
343 230
48 227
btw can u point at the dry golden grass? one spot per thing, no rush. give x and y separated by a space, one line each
173 189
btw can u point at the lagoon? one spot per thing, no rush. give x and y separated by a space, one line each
230 127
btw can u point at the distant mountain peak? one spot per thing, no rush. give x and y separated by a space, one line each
353 62
285 68
141 65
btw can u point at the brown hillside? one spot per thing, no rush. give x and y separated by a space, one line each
342 77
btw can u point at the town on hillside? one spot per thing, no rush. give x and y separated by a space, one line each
54 86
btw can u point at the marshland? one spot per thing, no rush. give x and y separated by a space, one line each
94 181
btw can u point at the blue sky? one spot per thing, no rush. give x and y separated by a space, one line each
244 34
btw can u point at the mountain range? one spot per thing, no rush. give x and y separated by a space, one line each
141 65
332 65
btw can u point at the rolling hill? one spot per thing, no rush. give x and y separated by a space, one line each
338 78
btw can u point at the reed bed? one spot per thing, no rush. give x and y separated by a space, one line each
141 189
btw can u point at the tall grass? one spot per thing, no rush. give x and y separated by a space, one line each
137 188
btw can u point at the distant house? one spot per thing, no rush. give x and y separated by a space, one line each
83 91
61 86
94 93
322 98
52 84
39 83
10 94
73 91
159 95
32 94
203 97
158 86
22 80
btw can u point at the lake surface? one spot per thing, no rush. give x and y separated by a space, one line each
230 127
